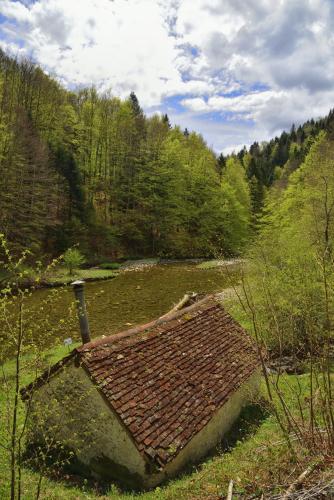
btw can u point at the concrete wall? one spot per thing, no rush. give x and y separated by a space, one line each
71 411
74 413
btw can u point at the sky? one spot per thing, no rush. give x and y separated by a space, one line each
235 71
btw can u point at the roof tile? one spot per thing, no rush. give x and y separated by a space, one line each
168 381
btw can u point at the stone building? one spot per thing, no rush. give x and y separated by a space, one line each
138 406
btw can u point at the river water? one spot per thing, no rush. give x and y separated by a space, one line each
133 297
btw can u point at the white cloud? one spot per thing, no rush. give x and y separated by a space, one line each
16 10
286 46
122 45
282 44
261 64
251 103
197 104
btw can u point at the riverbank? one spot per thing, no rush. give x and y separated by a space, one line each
138 264
59 278
222 263
60 275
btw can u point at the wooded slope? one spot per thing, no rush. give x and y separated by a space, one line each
79 167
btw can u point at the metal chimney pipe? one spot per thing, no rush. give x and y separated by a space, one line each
78 288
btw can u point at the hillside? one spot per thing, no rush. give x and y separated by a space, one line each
89 169
276 159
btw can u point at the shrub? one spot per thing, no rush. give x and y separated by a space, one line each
110 265
73 258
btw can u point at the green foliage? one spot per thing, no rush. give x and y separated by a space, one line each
73 258
267 162
92 169
287 296
109 265
237 202
292 270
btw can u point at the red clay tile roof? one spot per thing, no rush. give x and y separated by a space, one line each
166 381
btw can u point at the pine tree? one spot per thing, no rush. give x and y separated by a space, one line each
137 110
221 164
165 119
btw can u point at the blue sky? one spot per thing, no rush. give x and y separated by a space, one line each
234 70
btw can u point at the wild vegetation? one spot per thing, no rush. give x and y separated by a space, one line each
286 300
255 455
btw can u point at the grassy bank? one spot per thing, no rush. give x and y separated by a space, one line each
62 276
219 263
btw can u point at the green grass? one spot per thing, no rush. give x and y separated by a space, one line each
247 463
242 462
61 275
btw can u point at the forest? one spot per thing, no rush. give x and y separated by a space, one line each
89 169
80 168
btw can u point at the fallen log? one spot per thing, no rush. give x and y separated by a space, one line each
299 481
180 305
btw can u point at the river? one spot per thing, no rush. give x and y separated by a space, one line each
132 297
